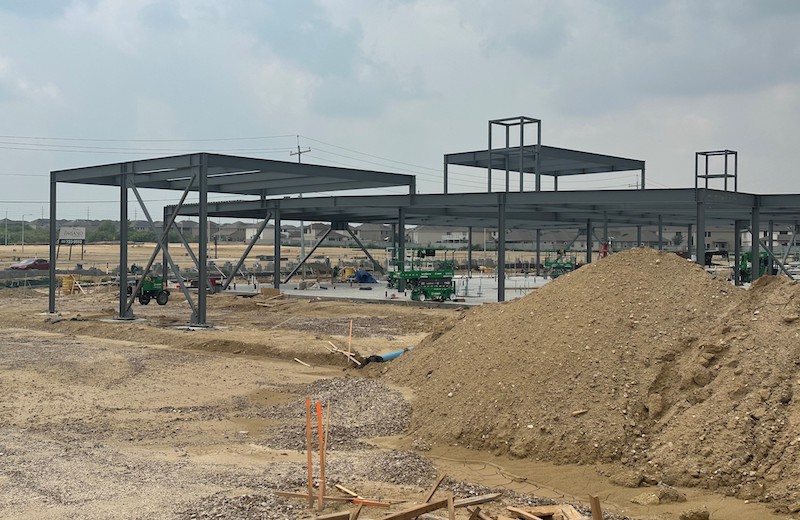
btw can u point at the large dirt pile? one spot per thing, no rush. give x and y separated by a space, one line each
641 358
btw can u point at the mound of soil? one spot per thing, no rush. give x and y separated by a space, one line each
641 358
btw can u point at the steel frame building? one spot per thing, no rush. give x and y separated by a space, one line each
206 173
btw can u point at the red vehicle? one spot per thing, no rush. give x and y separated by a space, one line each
40 264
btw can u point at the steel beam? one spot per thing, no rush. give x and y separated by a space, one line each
401 246
376 264
303 261
246 252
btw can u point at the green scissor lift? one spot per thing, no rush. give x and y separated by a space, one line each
428 272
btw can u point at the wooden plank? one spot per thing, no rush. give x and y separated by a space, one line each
302 363
345 490
451 509
521 513
597 512
369 503
415 511
436 485
355 514
291 494
480 499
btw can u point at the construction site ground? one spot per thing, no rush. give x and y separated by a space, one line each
152 419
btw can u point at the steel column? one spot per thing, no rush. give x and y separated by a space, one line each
469 250
755 227
401 242
737 252
51 295
505 157
538 156
639 236
660 233
589 233
202 246
501 248
689 239
165 249
124 312
489 166
770 229
701 232
521 155
445 174
276 248
538 251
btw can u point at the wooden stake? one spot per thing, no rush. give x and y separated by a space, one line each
308 451
597 512
350 339
302 363
320 434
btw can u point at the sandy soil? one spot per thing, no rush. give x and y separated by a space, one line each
147 419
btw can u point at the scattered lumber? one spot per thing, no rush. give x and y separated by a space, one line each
413 512
348 355
302 363
357 512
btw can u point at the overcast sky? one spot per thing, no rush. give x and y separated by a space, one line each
392 86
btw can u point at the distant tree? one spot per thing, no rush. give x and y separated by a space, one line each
677 239
107 231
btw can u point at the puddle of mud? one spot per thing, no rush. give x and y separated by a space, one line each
574 483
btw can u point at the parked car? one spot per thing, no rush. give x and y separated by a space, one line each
41 264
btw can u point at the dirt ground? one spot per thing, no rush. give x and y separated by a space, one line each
150 419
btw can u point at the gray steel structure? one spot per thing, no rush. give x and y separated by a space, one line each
203 173
695 208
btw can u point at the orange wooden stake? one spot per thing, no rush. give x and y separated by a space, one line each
350 340
308 451
321 503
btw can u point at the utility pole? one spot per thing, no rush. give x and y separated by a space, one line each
23 230
299 153
6 242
